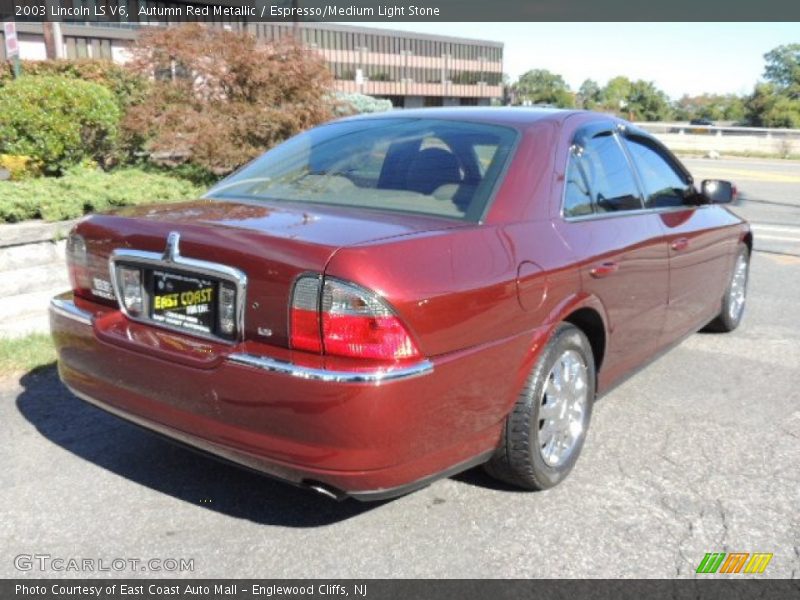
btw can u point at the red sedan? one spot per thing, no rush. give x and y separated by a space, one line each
385 300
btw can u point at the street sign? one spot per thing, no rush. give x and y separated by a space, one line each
10 34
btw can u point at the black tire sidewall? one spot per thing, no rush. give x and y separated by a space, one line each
566 337
729 323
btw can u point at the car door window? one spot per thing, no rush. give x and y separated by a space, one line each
577 196
664 185
609 175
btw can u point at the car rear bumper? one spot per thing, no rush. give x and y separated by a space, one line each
345 430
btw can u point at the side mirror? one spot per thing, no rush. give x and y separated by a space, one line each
718 191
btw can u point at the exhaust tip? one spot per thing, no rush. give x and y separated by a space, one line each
325 490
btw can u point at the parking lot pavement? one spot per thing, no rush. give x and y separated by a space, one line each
697 453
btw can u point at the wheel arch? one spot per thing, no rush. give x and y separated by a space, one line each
591 323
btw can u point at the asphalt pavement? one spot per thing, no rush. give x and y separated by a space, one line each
697 453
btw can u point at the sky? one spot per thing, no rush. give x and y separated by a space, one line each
681 58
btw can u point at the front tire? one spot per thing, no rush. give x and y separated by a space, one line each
733 302
544 433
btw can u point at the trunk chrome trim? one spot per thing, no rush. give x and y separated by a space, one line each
373 377
171 259
64 305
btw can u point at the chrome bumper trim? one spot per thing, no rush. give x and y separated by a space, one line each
375 377
64 305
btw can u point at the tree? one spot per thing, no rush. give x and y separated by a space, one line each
776 103
638 100
767 107
616 92
220 97
589 94
540 86
783 69
717 107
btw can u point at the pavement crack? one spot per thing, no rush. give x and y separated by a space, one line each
723 514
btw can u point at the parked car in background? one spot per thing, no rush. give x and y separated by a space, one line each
703 121
388 299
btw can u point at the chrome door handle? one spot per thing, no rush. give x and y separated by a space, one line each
604 269
680 244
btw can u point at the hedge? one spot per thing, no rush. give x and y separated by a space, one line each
126 86
82 191
57 121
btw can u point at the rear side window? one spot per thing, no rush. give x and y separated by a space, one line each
577 196
600 179
609 175
437 167
664 185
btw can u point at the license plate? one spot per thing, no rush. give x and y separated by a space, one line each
183 300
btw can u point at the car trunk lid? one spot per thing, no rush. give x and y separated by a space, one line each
272 243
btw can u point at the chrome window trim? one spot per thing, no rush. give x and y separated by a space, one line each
373 377
577 147
172 260
626 213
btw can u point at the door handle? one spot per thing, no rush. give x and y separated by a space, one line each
680 244
604 269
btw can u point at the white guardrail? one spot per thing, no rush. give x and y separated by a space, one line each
721 139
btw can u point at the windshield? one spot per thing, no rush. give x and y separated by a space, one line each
430 166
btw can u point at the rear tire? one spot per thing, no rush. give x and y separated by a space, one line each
733 302
544 433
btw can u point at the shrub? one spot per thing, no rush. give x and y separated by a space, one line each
352 104
20 167
221 98
57 121
127 87
83 190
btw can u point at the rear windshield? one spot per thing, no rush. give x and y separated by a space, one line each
430 166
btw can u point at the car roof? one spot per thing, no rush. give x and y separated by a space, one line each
517 116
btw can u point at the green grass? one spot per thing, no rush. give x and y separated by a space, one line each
22 355
83 190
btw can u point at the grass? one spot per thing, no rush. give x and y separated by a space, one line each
22 355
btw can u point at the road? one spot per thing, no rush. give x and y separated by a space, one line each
697 453
769 197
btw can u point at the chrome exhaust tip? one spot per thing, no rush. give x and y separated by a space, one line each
325 490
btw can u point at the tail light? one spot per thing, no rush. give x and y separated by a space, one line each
78 264
342 319
305 327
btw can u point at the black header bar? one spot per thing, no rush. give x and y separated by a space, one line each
287 11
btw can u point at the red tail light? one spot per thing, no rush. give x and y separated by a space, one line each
348 321
77 265
305 315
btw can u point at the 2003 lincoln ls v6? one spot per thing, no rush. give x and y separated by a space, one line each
385 300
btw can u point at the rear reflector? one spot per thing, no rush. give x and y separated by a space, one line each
352 321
